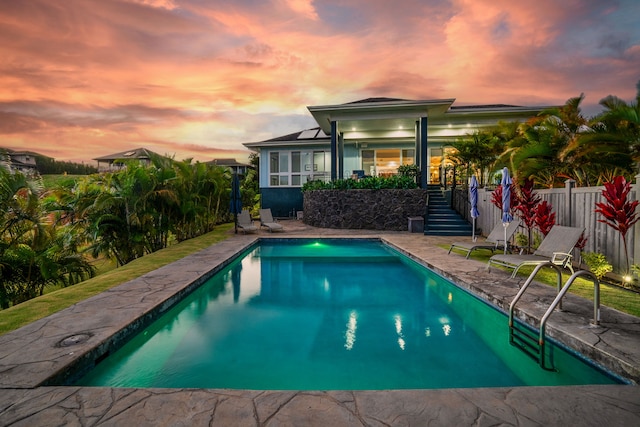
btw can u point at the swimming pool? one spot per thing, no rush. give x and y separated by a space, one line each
318 315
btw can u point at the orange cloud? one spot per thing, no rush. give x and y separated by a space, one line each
82 79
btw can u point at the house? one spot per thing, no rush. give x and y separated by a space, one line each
118 160
235 166
374 137
19 161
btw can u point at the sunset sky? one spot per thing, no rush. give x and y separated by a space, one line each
197 78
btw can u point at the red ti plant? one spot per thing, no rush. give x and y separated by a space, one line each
526 208
496 197
582 242
545 218
618 212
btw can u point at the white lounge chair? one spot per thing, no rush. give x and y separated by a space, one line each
494 240
245 223
266 220
555 247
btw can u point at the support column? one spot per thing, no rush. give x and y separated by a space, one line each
417 145
569 185
424 167
341 155
334 150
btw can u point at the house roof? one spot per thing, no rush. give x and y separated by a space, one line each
137 153
23 152
379 99
384 119
303 137
378 113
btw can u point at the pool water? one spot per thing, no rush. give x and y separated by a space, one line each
331 315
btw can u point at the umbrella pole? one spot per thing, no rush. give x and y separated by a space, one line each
506 224
235 222
473 233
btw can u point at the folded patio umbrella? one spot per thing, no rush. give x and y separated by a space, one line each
506 203
473 197
235 206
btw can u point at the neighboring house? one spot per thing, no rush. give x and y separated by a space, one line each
235 166
20 161
118 160
370 137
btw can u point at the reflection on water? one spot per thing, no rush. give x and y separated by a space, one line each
323 316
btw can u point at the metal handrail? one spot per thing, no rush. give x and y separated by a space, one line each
557 302
563 291
528 282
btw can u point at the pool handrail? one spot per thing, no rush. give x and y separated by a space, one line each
557 302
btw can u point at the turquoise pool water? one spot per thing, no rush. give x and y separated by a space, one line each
330 315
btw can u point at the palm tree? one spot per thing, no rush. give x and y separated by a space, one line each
477 152
35 250
546 147
621 122
117 222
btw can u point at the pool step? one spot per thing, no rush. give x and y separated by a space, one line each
526 339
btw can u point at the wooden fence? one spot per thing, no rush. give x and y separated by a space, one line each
574 207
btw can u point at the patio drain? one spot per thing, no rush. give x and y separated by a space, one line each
74 340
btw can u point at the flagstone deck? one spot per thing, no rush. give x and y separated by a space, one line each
32 355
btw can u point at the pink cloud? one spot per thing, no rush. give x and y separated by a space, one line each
81 79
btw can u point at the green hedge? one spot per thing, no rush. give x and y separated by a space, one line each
368 183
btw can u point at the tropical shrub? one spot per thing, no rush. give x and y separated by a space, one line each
618 212
122 215
496 197
526 207
35 250
545 218
597 264
368 183
411 171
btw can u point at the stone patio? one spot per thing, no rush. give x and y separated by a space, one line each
42 352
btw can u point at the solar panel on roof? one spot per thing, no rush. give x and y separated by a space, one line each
308 134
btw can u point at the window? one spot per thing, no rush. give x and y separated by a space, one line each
278 168
385 162
294 168
408 157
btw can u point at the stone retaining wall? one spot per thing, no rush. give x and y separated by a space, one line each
363 209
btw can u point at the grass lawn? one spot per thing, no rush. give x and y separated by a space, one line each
610 295
53 181
37 308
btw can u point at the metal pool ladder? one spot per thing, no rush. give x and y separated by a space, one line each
523 336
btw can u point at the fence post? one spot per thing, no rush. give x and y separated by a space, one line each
568 202
636 228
